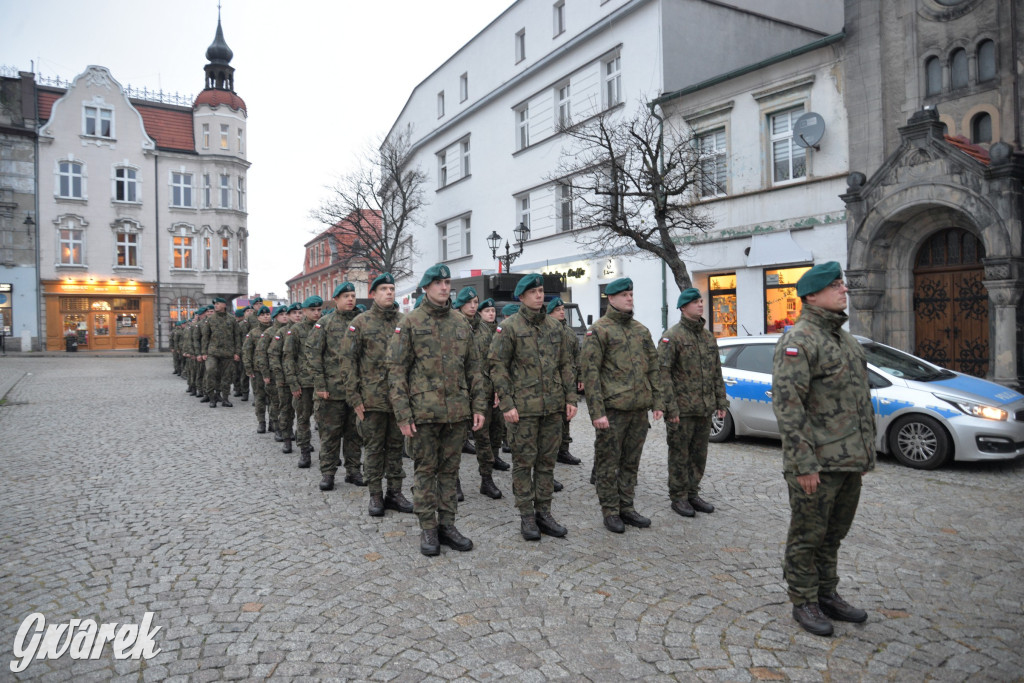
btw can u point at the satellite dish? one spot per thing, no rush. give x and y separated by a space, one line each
808 130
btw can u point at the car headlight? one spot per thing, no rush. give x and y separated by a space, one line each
974 409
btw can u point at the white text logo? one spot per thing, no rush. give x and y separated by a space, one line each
81 639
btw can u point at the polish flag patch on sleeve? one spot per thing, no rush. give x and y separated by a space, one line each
498 330
351 328
398 330
792 351
589 333
664 340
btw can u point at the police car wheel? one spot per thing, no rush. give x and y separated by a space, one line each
721 429
920 442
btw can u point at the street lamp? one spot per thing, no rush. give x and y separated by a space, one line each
29 223
522 233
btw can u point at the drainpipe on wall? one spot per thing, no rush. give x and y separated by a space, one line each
39 224
156 220
1016 75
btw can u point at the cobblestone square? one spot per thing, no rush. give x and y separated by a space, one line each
122 495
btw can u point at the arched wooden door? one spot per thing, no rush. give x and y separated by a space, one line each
951 302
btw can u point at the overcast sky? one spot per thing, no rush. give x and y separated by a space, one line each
321 80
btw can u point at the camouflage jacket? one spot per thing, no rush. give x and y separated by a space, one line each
573 344
691 370
482 335
364 357
249 348
175 337
195 338
821 397
220 336
323 352
434 368
531 365
262 354
297 371
275 354
620 366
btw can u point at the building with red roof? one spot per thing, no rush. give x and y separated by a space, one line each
329 261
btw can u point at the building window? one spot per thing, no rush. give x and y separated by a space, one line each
181 190
558 17
223 136
440 104
127 249
72 245
781 305
520 45
933 76
722 291
713 163
241 193
564 106
981 128
442 169
99 122
789 160
523 127
986 61
523 207
442 235
464 151
206 136
463 87
207 253
225 253
958 69
183 247
613 81
467 239
183 308
70 180
207 202
243 258
126 185
225 191
563 207
241 141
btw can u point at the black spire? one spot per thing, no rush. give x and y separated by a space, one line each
219 74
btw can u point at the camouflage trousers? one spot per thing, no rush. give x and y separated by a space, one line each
177 362
534 442
285 409
382 440
687 455
566 436
496 427
617 453
259 397
337 423
485 448
241 380
190 372
436 452
819 522
303 406
219 373
273 404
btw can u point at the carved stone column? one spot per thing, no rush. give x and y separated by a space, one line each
866 290
1005 285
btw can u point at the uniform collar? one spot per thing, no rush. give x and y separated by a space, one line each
830 320
692 325
621 317
433 309
533 317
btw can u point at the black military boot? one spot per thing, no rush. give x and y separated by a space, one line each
557 485
701 505
468 447
528 528
834 607
429 543
245 396
458 491
547 525
683 507
213 399
634 518
488 487
450 536
355 478
204 399
567 458
376 505
505 447
809 616
394 500
192 391
304 459
261 428
287 447
278 436
500 464
327 483
224 400
614 524
593 475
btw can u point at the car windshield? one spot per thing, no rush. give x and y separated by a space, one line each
899 364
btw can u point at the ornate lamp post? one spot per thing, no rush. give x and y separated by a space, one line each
522 233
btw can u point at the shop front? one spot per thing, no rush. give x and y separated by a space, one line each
101 317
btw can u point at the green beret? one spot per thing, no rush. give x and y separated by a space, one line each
528 282
623 284
239 312
295 307
687 295
466 294
509 309
438 271
313 302
361 308
818 278
339 290
382 279
263 310
486 303
555 303
278 310
202 310
419 300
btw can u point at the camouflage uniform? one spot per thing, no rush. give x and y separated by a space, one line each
531 368
495 420
285 408
482 335
622 381
259 392
335 418
573 344
298 375
694 390
364 355
822 399
261 360
434 376
175 350
220 344
241 378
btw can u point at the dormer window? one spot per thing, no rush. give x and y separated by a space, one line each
99 122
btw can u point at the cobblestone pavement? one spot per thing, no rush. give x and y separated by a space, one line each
122 495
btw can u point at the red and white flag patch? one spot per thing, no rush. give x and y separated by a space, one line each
664 340
351 328
498 330
398 330
792 351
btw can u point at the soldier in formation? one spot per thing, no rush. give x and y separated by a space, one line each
249 366
221 346
495 422
298 373
275 354
556 309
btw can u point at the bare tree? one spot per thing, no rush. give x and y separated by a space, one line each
633 182
372 210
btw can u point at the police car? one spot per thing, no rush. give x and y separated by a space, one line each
926 415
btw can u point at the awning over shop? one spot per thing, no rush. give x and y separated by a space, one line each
777 248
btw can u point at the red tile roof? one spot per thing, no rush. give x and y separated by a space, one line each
170 127
46 100
970 149
215 98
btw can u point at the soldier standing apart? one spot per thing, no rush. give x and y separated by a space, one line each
286 409
434 375
694 390
299 375
496 423
262 363
466 303
222 346
259 394
623 382
822 399
334 416
363 354
531 368
556 309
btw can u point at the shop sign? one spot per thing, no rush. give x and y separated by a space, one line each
575 273
611 268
